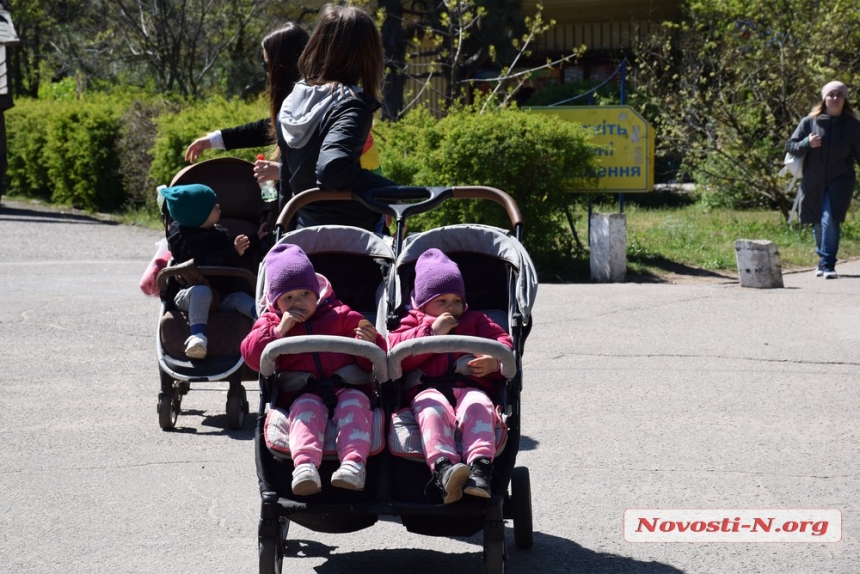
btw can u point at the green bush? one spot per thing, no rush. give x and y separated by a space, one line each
62 150
107 152
176 130
27 142
535 158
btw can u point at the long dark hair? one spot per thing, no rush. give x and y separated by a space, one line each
344 47
283 48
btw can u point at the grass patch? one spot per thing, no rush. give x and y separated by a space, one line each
662 239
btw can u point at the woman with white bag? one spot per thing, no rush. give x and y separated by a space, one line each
829 141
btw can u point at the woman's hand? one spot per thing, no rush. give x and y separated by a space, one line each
197 147
265 170
814 140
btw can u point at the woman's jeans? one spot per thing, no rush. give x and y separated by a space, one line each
826 235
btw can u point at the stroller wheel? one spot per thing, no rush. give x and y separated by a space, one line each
168 410
271 556
521 495
494 541
237 408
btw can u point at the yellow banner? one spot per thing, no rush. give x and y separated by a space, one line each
626 140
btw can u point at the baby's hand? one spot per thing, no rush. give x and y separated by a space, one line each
366 331
241 243
444 323
483 365
288 321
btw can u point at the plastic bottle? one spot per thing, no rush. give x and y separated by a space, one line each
267 188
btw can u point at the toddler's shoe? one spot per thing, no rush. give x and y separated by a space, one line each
350 476
195 347
306 480
480 473
450 478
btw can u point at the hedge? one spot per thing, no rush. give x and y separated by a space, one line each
108 153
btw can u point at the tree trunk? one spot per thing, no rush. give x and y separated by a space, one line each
394 47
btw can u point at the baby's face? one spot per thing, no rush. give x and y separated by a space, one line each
214 216
300 303
447 303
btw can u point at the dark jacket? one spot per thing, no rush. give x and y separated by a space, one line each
258 134
325 133
829 167
212 246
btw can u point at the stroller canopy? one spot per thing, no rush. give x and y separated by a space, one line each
481 239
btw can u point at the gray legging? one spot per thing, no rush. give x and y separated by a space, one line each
195 301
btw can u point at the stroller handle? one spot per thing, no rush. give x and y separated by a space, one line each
324 344
451 344
384 200
192 274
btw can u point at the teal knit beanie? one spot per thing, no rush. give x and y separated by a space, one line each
189 205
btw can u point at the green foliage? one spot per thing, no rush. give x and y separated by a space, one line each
63 151
534 158
82 166
726 86
177 130
555 93
105 152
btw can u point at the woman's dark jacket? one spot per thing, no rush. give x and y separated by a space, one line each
829 167
332 138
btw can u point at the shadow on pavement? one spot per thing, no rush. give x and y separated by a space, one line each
551 555
31 215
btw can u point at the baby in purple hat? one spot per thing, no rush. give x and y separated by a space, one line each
452 395
302 302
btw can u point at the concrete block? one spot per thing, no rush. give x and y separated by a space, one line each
759 265
608 247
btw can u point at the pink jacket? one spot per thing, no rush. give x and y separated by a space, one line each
331 318
472 323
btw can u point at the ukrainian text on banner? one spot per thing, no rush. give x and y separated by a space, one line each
625 145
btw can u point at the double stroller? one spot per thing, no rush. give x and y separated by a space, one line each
375 277
242 212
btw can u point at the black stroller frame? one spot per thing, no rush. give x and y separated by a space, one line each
396 486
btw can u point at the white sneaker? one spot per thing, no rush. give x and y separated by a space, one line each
819 271
830 274
195 347
306 480
350 475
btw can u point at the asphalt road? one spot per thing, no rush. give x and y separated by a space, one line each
659 396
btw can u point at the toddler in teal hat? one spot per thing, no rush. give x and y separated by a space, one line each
194 233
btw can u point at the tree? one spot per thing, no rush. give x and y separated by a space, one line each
184 47
728 83
454 39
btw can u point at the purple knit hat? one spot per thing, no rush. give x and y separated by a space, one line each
288 268
436 275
